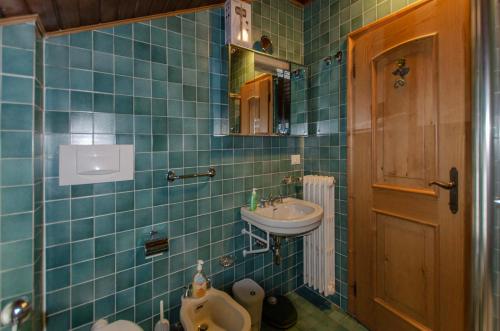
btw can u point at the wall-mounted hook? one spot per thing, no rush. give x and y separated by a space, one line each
402 70
338 56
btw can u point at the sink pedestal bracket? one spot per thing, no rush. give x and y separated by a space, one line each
252 236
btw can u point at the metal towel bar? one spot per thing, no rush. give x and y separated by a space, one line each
171 176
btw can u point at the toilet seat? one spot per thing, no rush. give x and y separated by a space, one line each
120 325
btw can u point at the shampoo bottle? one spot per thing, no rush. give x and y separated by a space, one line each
199 281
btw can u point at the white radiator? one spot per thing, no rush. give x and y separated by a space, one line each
319 245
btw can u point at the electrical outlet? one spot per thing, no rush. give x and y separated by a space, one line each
295 159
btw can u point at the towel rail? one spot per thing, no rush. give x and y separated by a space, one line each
171 176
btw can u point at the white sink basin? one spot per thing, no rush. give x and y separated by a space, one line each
215 311
292 217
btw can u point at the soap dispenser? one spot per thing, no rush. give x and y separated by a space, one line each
199 281
253 200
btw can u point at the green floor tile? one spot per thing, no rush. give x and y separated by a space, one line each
311 318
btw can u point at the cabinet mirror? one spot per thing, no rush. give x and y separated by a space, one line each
267 96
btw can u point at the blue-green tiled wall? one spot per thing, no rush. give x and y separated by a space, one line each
326 26
154 84
282 22
21 192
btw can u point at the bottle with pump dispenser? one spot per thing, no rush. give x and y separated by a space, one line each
199 281
253 200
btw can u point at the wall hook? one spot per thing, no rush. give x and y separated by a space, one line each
402 70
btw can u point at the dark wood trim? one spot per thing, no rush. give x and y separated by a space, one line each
67 16
132 20
24 19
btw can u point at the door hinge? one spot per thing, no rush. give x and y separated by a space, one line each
355 289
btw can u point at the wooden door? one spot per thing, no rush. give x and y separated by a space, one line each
257 106
408 125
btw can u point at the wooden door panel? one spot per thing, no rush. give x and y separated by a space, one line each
405 267
404 116
408 251
257 106
423 206
265 106
386 318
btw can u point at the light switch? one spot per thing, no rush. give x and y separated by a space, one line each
295 159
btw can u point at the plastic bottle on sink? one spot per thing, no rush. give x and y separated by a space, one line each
253 200
199 281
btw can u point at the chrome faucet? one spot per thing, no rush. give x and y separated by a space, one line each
262 203
189 291
272 199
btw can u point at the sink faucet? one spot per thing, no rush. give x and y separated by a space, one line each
262 203
188 293
272 199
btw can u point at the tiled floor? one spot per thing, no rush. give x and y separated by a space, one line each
313 318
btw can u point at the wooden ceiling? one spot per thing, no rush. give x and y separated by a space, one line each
67 14
57 15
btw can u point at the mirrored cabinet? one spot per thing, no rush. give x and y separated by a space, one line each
267 96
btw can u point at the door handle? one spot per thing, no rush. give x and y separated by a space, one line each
446 186
451 186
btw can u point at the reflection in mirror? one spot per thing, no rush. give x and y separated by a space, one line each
264 45
267 96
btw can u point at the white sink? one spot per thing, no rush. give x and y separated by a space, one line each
292 217
215 311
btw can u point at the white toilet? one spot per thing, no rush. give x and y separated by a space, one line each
250 295
121 325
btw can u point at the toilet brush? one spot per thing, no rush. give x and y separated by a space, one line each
162 324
